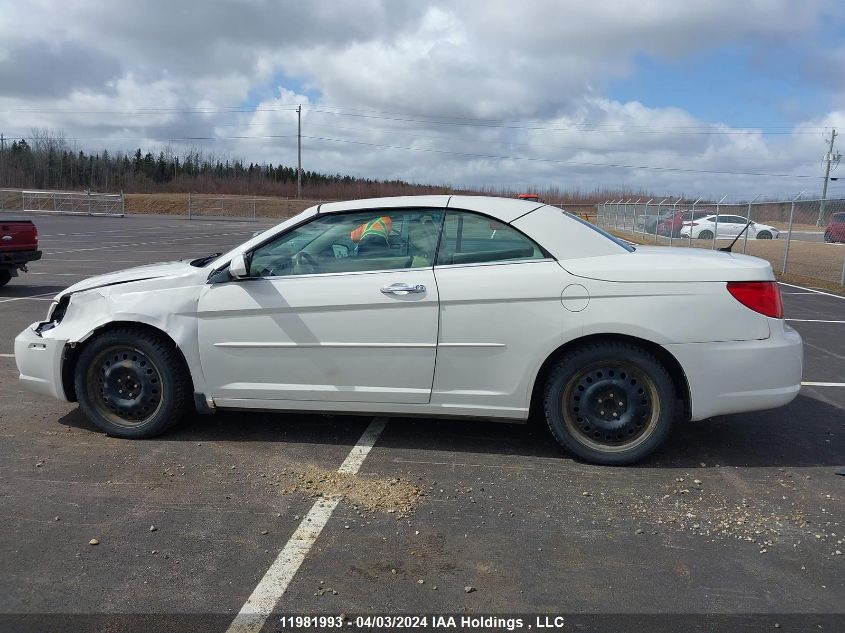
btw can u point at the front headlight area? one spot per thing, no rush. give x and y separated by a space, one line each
55 314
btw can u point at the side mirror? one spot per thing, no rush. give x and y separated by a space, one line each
237 267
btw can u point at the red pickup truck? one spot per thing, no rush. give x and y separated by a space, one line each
18 246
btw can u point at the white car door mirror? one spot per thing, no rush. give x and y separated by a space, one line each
237 267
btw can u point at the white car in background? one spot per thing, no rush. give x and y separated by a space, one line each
726 227
429 306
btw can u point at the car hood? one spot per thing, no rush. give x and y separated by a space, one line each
661 263
139 273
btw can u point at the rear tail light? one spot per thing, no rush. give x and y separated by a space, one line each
760 296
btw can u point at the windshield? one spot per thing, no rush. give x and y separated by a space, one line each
627 246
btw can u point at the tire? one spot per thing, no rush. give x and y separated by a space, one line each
764 235
705 235
5 277
615 435
141 364
827 238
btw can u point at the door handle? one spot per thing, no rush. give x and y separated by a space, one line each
399 288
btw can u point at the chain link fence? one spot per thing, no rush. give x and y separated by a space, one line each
63 202
801 238
211 207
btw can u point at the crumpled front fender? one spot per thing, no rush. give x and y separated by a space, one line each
171 310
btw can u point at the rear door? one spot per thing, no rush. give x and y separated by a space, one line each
500 311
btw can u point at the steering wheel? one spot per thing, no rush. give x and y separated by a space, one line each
305 264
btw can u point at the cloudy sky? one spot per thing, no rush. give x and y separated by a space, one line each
668 96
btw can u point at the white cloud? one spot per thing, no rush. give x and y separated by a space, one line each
136 73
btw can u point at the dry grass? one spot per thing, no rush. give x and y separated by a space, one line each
214 206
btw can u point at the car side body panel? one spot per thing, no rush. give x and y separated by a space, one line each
484 330
493 341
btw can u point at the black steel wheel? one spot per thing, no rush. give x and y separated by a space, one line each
132 383
126 385
610 402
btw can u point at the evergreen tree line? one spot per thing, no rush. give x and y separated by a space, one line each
47 161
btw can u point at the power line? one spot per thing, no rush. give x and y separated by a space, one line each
457 153
412 133
579 127
606 149
452 120
561 161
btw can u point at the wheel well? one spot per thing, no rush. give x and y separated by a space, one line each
676 372
72 354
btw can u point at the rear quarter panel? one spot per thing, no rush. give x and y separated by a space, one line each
670 312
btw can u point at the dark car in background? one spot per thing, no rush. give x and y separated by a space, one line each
835 230
671 225
647 223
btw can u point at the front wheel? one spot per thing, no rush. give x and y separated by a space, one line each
132 383
705 235
609 403
828 237
5 276
764 235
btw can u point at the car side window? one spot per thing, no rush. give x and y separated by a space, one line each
469 238
383 239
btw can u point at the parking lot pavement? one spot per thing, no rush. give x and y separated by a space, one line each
742 514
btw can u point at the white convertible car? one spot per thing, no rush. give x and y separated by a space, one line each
432 306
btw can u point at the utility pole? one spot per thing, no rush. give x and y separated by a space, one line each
2 159
829 158
299 152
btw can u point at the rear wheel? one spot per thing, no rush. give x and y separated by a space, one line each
705 235
764 235
132 383
609 403
5 276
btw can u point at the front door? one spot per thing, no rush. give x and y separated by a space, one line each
342 309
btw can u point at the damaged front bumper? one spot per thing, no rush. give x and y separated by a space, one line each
39 361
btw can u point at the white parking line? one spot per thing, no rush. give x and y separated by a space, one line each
7 355
811 290
62 274
822 384
43 294
813 321
273 585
